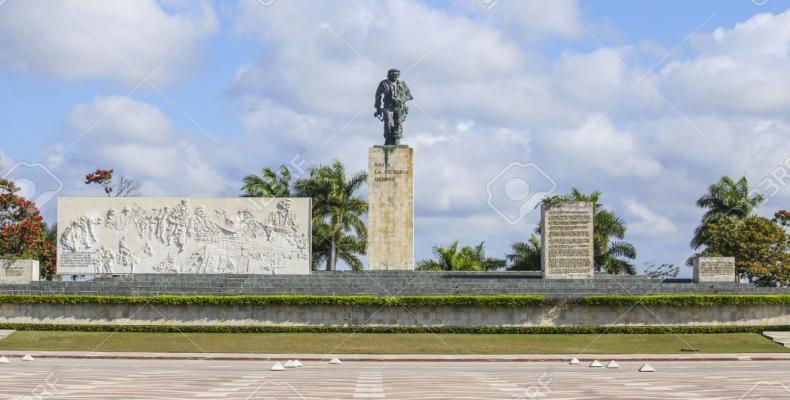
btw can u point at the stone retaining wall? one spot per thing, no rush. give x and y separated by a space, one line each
544 315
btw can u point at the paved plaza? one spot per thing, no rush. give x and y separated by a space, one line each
195 379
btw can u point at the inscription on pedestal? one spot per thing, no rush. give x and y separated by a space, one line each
567 240
714 269
391 208
18 271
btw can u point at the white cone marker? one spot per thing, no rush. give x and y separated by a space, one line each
27 357
613 364
335 360
4 360
290 364
574 361
596 364
277 367
647 368
298 364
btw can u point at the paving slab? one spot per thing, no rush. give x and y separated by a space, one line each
401 357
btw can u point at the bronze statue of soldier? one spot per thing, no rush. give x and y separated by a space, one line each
391 97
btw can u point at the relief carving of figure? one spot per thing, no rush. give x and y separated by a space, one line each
81 234
233 240
126 257
107 259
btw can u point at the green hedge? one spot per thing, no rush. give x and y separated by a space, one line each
397 329
404 301
687 300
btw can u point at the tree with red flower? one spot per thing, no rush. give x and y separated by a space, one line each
23 230
121 187
782 217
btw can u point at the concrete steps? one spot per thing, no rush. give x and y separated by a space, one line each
383 283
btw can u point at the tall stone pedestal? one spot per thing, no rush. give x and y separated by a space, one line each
391 208
567 240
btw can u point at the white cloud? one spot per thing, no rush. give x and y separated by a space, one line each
83 39
137 140
649 223
599 145
532 19
742 70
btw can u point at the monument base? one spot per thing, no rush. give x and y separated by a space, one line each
391 208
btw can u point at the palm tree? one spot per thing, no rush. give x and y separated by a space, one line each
452 258
337 213
268 184
525 255
726 197
611 253
348 247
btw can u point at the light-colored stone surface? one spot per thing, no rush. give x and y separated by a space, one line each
782 338
19 271
238 380
102 235
327 315
391 210
567 240
714 269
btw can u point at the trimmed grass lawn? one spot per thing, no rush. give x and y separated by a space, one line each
374 343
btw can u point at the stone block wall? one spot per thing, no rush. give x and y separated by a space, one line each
555 315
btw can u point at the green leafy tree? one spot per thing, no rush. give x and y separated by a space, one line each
337 214
611 253
348 247
525 256
23 232
453 258
761 248
725 198
339 233
268 184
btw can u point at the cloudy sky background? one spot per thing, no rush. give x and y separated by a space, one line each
647 102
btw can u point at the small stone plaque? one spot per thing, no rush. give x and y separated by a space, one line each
18 271
567 240
714 269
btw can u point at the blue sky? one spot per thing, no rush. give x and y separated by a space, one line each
648 102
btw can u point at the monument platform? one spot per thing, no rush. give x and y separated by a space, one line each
382 283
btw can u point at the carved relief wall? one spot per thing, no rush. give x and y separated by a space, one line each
183 235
